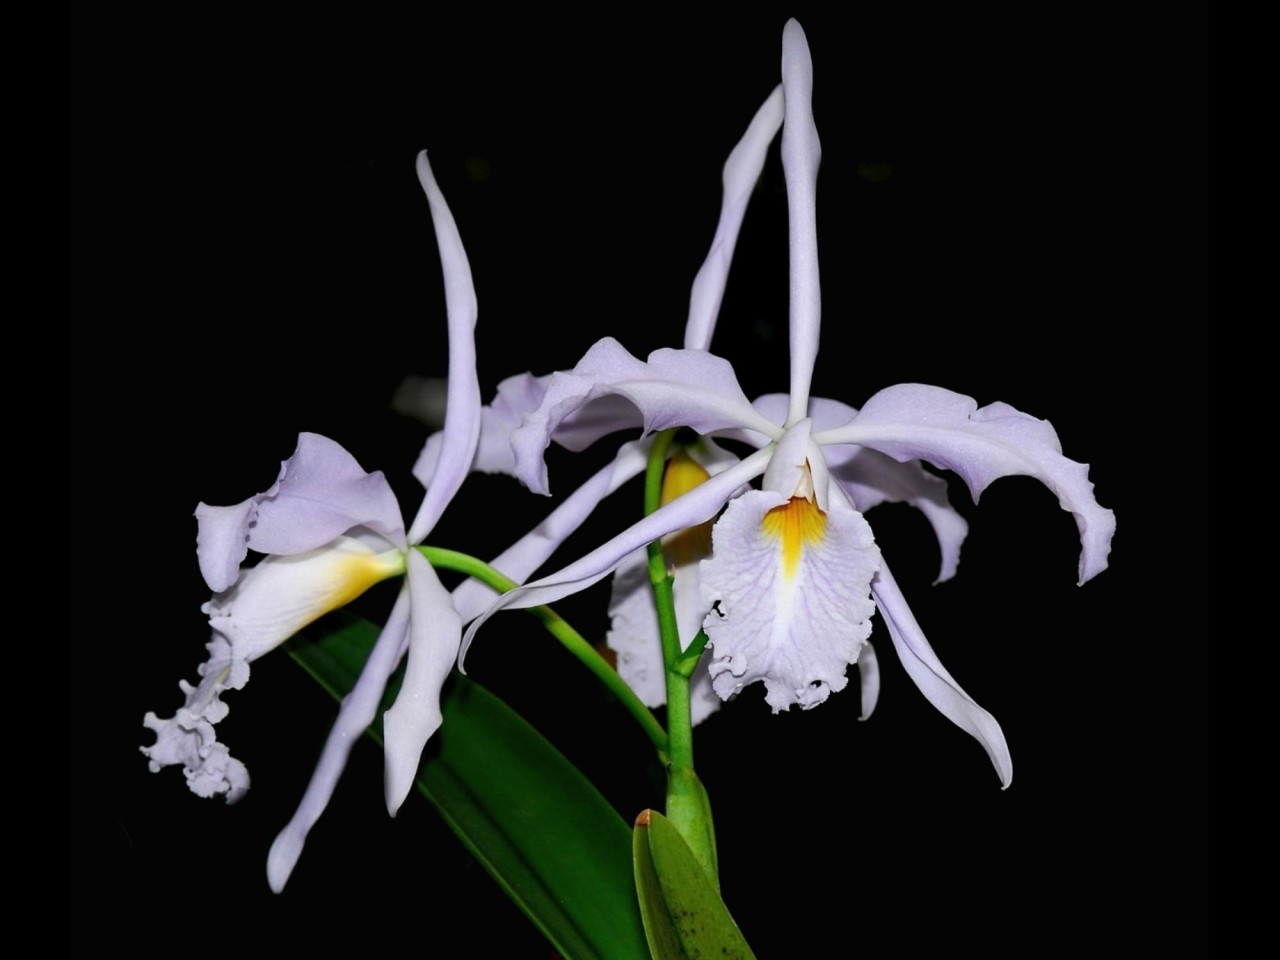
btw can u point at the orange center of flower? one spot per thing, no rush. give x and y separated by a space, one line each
798 523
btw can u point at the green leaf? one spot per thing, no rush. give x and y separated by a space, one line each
540 828
683 913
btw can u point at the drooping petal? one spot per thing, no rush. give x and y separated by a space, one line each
801 153
434 631
321 493
938 686
741 171
188 738
912 421
359 707
694 507
788 587
462 407
282 594
688 388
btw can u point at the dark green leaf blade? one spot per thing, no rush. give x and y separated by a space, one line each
540 828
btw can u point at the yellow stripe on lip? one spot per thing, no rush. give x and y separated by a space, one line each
797 523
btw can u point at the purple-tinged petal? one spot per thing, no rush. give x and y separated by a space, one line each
358 710
672 388
531 551
741 171
801 153
320 494
938 686
912 421
462 407
697 506
434 631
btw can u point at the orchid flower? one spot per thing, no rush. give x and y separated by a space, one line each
328 531
795 574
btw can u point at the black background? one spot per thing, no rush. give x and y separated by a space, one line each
252 257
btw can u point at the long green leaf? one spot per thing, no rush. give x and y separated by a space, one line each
540 828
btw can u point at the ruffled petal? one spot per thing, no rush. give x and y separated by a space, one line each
696 506
912 421
801 153
672 388
741 171
462 407
789 592
188 738
282 594
938 686
358 710
434 631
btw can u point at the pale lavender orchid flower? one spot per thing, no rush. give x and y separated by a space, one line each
328 531
795 573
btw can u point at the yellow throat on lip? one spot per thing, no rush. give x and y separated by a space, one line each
798 523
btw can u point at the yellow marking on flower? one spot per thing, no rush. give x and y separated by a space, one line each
798 523
686 546
355 573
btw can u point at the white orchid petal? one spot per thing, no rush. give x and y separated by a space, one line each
938 686
282 594
462 408
741 171
912 421
434 631
790 605
689 388
801 153
358 710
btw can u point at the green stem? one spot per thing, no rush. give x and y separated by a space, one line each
688 807
569 638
